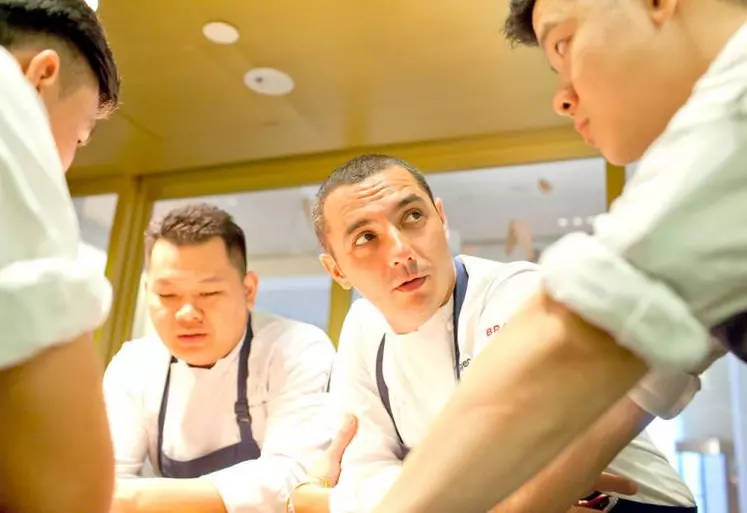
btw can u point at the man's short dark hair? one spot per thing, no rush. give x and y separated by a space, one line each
355 171
195 224
518 28
74 25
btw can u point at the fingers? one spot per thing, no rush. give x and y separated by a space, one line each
613 483
343 438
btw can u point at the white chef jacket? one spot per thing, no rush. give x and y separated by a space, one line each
419 372
46 296
667 263
289 368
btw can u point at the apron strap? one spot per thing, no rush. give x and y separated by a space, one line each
241 406
383 389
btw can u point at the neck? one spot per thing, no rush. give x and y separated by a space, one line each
711 24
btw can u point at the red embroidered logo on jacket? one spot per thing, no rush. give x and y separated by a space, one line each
493 330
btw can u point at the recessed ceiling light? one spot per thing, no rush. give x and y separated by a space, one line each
562 222
220 33
93 4
269 81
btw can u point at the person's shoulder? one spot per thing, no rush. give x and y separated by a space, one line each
362 332
364 323
137 363
142 353
490 274
10 70
362 311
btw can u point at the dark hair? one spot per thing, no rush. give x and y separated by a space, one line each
518 28
74 24
195 224
355 171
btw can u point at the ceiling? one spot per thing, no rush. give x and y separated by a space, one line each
366 73
479 205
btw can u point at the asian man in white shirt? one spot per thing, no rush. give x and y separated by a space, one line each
57 78
660 80
228 404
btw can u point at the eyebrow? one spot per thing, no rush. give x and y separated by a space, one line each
360 223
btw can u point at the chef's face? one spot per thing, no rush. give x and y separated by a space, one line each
624 68
388 239
198 300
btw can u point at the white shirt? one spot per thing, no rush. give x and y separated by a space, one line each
46 296
667 263
289 368
419 371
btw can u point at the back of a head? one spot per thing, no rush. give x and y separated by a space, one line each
70 26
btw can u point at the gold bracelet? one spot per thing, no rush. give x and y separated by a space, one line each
317 482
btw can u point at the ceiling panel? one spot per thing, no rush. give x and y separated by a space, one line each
367 73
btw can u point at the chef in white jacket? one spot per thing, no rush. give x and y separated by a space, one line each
227 404
424 319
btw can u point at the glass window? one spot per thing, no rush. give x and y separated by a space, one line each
96 217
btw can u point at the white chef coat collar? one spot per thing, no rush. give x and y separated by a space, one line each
439 322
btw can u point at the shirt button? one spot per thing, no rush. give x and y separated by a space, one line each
449 327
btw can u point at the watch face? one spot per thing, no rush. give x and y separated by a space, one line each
733 334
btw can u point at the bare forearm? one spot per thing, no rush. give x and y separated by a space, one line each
54 439
574 472
512 419
168 496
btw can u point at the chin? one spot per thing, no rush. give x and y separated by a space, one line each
624 151
193 355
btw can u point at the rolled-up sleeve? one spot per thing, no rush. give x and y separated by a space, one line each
297 426
667 263
46 296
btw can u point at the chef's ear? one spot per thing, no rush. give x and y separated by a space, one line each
251 284
330 265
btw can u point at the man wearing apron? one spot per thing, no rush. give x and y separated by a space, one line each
663 81
424 320
57 78
226 403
